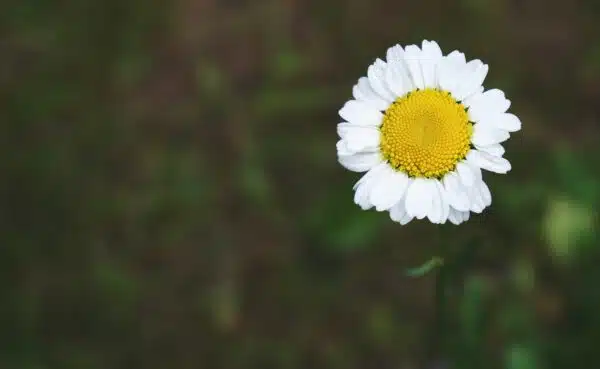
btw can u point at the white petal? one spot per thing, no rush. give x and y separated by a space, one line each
394 53
458 217
435 212
440 209
484 135
448 74
412 58
507 121
477 202
359 138
493 99
406 219
486 195
398 211
474 65
370 175
495 150
455 217
389 189
445 203
457 57
455 192
451 71
365 185
488 162
363 91
487 103
472 79
361 198
419 197
475 169
398 79
432 49
465 174
360 162
430 55
342 149
376 74
361 113
346 129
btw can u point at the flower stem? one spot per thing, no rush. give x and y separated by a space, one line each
441 310
447 278
436 344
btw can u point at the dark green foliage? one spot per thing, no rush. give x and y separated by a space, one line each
171 196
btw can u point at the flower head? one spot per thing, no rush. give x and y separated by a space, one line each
422 128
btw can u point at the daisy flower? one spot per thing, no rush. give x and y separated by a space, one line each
422 128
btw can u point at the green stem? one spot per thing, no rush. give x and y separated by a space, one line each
442 281
436 349
448 275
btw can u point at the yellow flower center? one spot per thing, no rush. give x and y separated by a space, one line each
426 133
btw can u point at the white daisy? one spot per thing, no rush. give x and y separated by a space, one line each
422 127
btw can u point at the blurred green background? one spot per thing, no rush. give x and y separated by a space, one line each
171 196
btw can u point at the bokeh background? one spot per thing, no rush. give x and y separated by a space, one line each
171 196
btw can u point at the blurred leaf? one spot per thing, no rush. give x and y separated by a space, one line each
483 8
380 322
515 321
274 102
472 309
577 178
342 225
590 68
225 304
567 224
519 201
523 275
254 183
358 231
427 267
210 78
116 288
470 343
287 64
521 357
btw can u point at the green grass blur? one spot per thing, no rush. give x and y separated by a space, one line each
172 197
